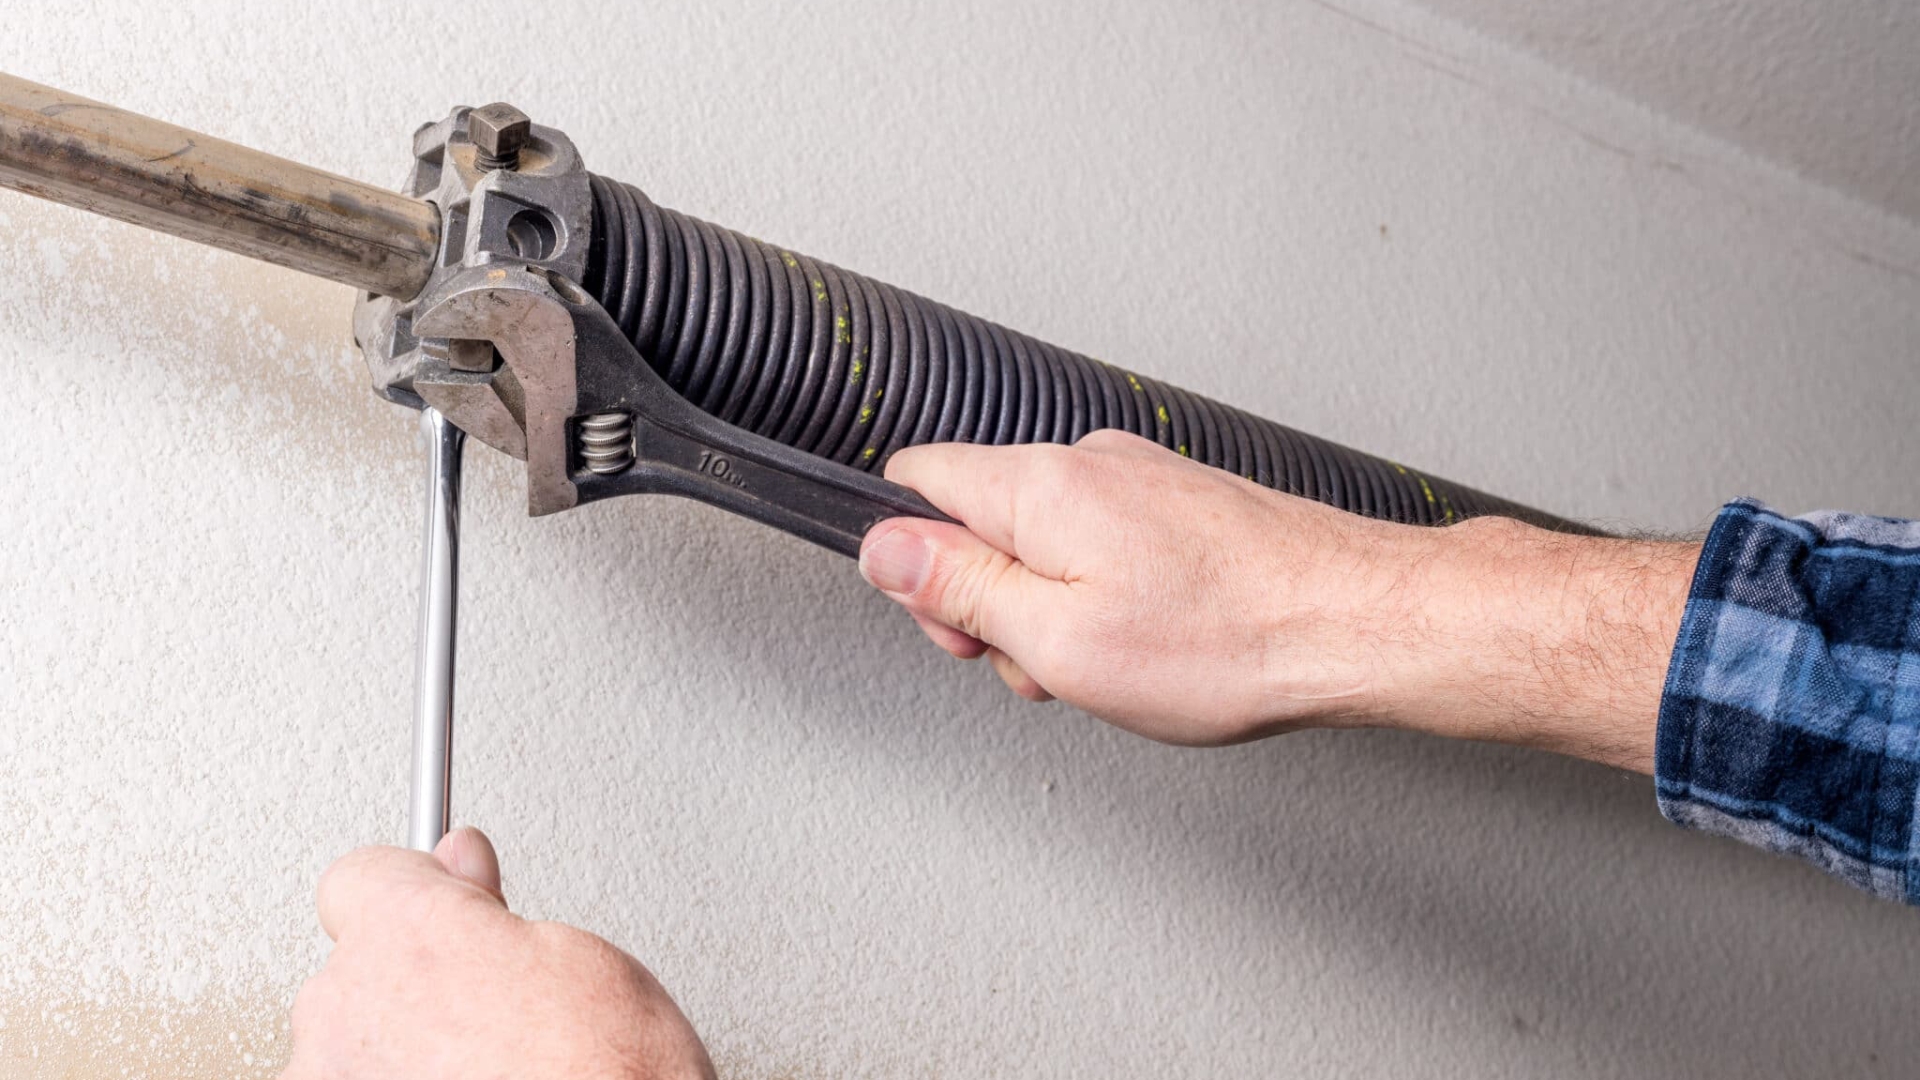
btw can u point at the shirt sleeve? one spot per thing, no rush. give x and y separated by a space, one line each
1790 718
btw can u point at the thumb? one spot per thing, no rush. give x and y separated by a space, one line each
467 853
366 886
944 573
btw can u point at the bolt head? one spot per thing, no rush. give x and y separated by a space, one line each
499 130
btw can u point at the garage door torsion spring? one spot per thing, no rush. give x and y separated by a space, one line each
851 369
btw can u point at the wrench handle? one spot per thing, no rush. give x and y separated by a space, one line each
677 449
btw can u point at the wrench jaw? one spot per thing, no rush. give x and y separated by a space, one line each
518 311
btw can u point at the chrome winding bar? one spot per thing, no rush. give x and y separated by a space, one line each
431 797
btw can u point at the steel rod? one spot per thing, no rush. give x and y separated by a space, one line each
431 797
63 147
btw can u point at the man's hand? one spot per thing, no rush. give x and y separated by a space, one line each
431 976
1194 607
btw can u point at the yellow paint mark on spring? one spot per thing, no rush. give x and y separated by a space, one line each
819 290
1182 450
1427 490
866 413
840 332
859 369
792 263
1161 414
1133 382
867 454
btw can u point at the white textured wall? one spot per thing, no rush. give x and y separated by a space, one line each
1832 89
846 854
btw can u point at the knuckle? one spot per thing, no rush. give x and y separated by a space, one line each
309 1005
1105 439
587 958
965 592
355 864
566 941
1017 678
1058 660
335 884
902 463
1056 466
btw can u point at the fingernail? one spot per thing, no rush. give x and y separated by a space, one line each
897 562
473 858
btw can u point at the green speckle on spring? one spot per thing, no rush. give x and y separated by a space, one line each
792 263
1161 413
867 454
840 332
878 391
866 413
1182 450
859 369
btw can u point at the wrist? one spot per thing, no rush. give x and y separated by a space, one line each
1541 639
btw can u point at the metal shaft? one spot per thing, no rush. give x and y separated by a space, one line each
431 799
99 158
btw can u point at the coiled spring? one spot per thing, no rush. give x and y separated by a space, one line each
606 443
850 369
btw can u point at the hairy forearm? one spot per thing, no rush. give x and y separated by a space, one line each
1539 639
1231 612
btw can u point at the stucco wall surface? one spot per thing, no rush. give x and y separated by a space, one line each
846 854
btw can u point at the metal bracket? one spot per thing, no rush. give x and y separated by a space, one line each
538 214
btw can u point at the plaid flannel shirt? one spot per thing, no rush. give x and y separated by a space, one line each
1791 713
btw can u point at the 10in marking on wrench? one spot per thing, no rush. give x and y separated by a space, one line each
720 468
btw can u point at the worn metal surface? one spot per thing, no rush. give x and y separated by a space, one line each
499 132
516 308
490 214
66 148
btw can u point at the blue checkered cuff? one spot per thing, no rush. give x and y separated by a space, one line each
1791 714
